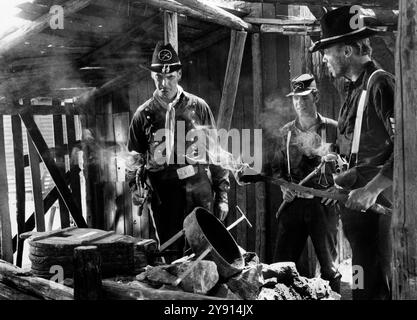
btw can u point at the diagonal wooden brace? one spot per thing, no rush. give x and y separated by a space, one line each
48 160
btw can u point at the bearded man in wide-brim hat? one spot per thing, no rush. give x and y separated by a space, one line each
178 184
366 137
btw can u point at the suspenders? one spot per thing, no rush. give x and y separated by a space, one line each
359 117
323 141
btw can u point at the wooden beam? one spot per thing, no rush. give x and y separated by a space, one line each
218 14
6 248
231 79
49 162
9 293
312 27
20 183
386 4
257 92
137 290
60 163
282 22
202 11
291 29
405 169
171 29
29 29
73 155
42 288
36 186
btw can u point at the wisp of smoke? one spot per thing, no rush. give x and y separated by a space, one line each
214 150
311 144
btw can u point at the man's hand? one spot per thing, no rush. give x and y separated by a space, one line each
139 195
329 202
221 210
287 194
363 198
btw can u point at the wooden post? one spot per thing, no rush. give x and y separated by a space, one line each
405 169
231 78
20 183
171 29
60 162
257 92
73 155
87 273
6 247
36 186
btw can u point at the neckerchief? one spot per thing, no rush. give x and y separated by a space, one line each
169 121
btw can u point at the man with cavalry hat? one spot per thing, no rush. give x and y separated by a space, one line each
366 128
180 178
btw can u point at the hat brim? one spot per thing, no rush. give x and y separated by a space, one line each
300 93
362 33
158 69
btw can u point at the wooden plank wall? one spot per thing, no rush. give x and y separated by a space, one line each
26 178
105 128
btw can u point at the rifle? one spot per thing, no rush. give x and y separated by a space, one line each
341 195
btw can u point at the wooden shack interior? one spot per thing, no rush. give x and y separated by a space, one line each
68 92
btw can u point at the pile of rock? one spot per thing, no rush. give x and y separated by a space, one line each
278 281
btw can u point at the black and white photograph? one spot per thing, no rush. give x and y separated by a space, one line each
212 157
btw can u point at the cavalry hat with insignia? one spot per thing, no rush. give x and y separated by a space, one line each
164 59
341 25
302 85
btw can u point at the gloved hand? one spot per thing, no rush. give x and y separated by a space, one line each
139 196
221 206
221 210
287 194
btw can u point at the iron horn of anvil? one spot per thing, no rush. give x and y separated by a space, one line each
203 230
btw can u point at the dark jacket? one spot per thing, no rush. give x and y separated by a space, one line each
377 134
305 154
150 117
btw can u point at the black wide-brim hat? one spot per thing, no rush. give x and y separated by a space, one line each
164 59
338 26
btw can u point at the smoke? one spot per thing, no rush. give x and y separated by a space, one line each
277 112
212 146
311 144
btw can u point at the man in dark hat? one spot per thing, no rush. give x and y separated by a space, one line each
178 185
366 138
300 158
